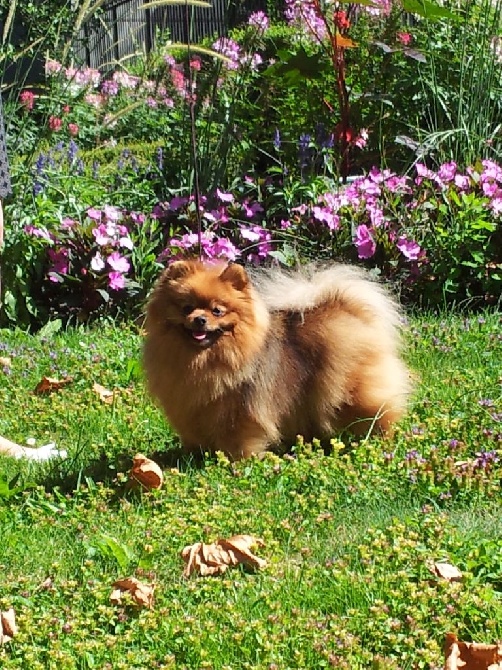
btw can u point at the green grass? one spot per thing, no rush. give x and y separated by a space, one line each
349 537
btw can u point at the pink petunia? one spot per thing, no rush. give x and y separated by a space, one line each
409 248
116 281
224 197
364 242
101 235
118 263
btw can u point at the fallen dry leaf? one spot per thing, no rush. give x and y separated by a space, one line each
104 394
49 384
141 593
216 558
5 362
471 655
146 472
447 571
8 626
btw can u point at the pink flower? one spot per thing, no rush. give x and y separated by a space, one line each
496 206
361 139
116 281
55 123
364 242
325 215
38 232
447 171
258 20
27 100
73 129
224 197
60 264
101 235
195 64
52 67
118 263
409 248
404 38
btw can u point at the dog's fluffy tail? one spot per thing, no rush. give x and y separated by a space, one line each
312 286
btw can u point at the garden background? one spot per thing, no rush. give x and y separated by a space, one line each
368 132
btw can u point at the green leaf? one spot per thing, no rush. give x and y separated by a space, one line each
50 329
428 10
110 548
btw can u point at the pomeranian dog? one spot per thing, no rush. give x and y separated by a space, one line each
240 364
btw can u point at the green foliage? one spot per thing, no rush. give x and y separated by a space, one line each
350 536
462 85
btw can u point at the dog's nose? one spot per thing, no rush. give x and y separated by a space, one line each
200 321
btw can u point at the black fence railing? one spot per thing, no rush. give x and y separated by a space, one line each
123 29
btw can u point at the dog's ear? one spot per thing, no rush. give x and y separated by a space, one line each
235 275
179 269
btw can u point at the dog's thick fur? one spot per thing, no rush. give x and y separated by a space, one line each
239 365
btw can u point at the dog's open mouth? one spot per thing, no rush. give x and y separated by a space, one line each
204 338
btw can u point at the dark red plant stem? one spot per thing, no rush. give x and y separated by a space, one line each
337 55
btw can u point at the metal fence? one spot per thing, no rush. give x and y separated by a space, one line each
123 28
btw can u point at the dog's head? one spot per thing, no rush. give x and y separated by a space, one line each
204 302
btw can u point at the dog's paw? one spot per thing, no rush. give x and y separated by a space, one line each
44 453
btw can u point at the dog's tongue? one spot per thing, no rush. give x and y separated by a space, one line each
198 335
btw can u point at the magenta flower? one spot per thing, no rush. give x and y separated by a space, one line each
364 242
116 281
325 215
38 232
60 264
258 20
447 171
94 214
409 248
101 235
118 263
224 197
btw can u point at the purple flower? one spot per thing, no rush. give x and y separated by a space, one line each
118 263
224 197
116 281
60 264
258 20
325 215
447 171
364 242
94 214
101 235
409 248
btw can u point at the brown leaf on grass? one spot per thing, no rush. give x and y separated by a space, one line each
104 394
5 362
447 571
146 473
49 384
216 558
8 626
471 655
141 593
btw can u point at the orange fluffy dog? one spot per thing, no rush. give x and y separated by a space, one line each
240 365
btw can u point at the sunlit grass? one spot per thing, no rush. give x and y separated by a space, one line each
350 537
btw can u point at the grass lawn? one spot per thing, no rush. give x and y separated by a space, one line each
351 538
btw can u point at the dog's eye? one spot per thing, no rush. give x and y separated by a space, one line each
217 311
187 309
